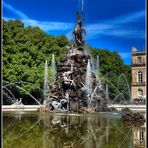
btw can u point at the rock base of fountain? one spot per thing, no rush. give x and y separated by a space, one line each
68 92
133 119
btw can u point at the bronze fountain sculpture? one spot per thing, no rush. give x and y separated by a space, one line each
69 92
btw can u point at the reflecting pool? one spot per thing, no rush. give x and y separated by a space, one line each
56 130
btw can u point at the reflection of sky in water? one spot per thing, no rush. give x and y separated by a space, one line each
83 131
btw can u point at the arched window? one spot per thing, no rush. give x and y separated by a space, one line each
140 77
140 92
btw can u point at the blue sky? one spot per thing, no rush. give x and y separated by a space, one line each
114 24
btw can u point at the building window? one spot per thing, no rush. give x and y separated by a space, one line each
139 60
140 92
141 136
140 77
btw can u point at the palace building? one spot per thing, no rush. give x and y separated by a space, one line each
139 136
138 86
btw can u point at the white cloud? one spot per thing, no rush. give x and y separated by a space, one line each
133 17
116 27
45 25
15 11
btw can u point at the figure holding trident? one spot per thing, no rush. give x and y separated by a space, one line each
78 32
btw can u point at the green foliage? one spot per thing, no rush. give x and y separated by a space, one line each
25 50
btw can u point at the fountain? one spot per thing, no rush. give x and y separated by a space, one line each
46 88
97 67
124 87
107 93
76 87
13 100
88 81
53 67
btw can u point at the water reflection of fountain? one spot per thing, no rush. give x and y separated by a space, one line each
22 134
56 120
67 130
67 97
125 137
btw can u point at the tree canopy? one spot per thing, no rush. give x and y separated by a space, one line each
25 50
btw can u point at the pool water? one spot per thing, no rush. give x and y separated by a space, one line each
57 130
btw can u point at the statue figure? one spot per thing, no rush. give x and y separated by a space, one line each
20 102
67 79
78 32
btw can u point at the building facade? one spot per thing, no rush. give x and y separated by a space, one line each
139 136
138 86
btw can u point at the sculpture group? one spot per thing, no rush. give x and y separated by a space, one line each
69 91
